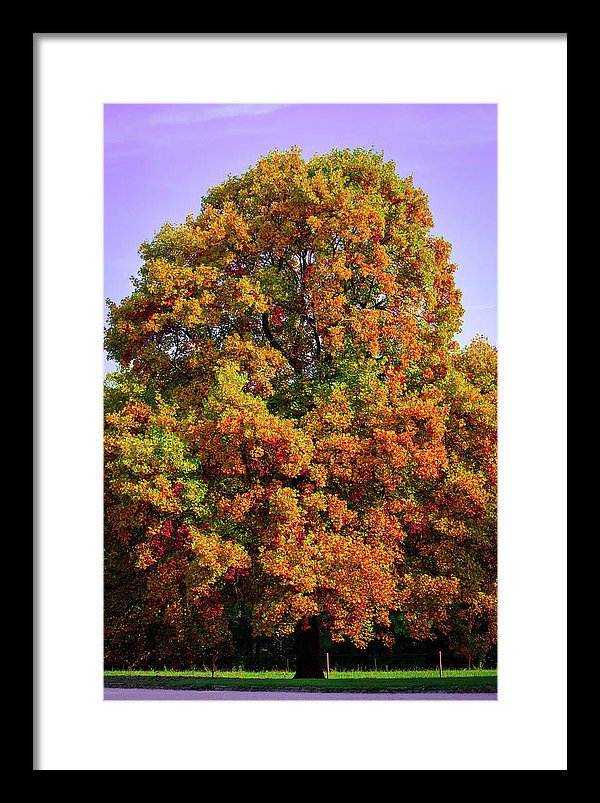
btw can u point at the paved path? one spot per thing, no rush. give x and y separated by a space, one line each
181 694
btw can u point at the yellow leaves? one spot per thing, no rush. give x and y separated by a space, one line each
332 411
214 556
429 462
330 305
366 327
333 339
242 421
246 294
314 501
338 512
390 449
339 454
235 509
318 474
425 601
144 557
381 526
279 609
218 227
283 506
360 582
317 224
467 494
290 560
259 365
194 312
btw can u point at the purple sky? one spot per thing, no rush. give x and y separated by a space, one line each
161 159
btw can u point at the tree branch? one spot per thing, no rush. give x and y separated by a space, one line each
275 344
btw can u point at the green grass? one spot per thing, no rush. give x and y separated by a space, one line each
457 680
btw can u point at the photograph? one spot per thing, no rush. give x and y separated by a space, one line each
300 400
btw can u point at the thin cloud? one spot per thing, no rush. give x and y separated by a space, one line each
186 115
446 126
131 127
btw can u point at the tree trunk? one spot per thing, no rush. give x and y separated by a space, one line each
308 659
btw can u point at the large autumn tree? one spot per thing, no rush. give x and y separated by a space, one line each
292 435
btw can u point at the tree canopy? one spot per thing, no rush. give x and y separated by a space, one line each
293 436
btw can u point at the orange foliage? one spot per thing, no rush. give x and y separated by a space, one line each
292 417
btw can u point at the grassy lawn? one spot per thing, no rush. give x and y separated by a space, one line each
460 680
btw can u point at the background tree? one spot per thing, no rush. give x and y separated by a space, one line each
284 434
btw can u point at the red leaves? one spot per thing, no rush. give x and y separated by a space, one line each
235 573
277 315
236 269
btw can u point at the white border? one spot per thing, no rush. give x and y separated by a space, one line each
526 77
